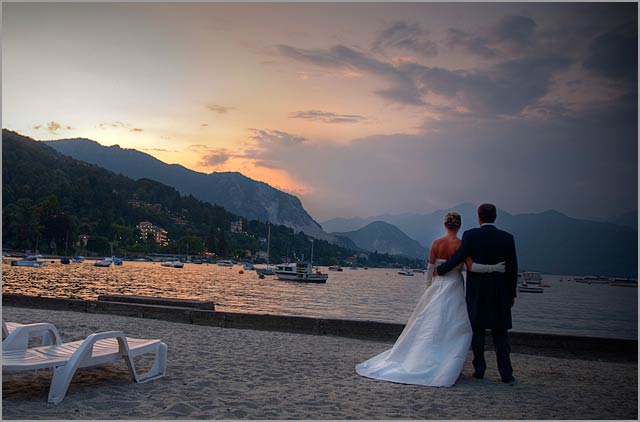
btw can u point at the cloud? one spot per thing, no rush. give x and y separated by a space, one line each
614 54
115 124
327 117
470 43
220 109
54 127
515 31
204 124
589 165
406 36
215 158
198 146
506 87
510 34
276 137
402 90
136 129
37 127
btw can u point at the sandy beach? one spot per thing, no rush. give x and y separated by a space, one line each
223 373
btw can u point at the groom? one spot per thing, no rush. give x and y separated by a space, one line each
490 296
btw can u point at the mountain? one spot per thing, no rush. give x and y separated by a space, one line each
385 238
550 241
627 219
235 192
52 202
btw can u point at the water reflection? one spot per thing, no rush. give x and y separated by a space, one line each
374 294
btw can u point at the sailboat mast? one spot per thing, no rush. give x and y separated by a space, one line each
268 244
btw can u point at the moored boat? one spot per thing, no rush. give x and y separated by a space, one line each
65 260
590 279
623 282
225 263
525 288
29 261
406 272
173 264
304 272
531 277
249 266
335 268
103 263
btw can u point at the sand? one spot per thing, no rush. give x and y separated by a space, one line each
218 373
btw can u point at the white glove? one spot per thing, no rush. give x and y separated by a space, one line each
488 268
430 269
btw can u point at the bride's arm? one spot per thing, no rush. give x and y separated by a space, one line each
432 263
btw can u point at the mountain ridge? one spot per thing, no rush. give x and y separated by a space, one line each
549 241
232 190
385 238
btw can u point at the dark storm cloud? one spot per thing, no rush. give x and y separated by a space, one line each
614 54
505 88
510 34
327 117
403 89
406 36
470 43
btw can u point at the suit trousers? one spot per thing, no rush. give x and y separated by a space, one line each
502 348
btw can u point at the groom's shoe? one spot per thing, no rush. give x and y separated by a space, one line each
478 376
509 380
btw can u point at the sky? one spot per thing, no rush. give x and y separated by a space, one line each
359 109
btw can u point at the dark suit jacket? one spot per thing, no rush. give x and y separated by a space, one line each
489 295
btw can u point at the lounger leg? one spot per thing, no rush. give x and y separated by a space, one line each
157 370
60 383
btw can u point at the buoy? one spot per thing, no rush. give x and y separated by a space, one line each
241 272
261 276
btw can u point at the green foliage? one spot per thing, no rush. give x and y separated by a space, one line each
50 199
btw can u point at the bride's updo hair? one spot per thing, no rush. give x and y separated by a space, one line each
452 220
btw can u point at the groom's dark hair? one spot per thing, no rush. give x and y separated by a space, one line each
487 213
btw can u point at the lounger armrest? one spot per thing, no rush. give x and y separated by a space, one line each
83 354
19 338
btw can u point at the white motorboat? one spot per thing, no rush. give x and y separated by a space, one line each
249 266
225 263
525 288
103 263
418 270
173 264
78 259
300 272
29 261
304 272
531 277
406 271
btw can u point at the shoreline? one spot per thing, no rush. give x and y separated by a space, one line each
195 313
228 373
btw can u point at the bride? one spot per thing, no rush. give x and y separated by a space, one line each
434 344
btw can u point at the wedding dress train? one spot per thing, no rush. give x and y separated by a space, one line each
434 344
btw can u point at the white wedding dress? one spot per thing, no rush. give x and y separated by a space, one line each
434 344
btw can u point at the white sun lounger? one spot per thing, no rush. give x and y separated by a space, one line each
17 336
97 349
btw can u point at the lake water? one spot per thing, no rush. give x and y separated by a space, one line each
373 294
